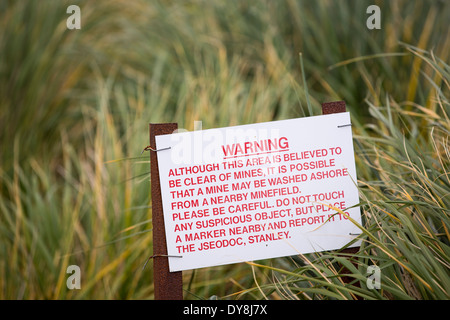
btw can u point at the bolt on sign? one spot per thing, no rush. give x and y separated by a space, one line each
258 191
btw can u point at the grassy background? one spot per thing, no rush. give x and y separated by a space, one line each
75 107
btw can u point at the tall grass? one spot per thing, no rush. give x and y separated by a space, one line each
75 107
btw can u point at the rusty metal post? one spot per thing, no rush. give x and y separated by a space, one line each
167 285
333 107
337 107
329 108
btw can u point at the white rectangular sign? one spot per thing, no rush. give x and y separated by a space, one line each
258 191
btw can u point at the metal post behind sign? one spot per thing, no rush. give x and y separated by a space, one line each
329 108
167 285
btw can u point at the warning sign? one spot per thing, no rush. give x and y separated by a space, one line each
258 191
